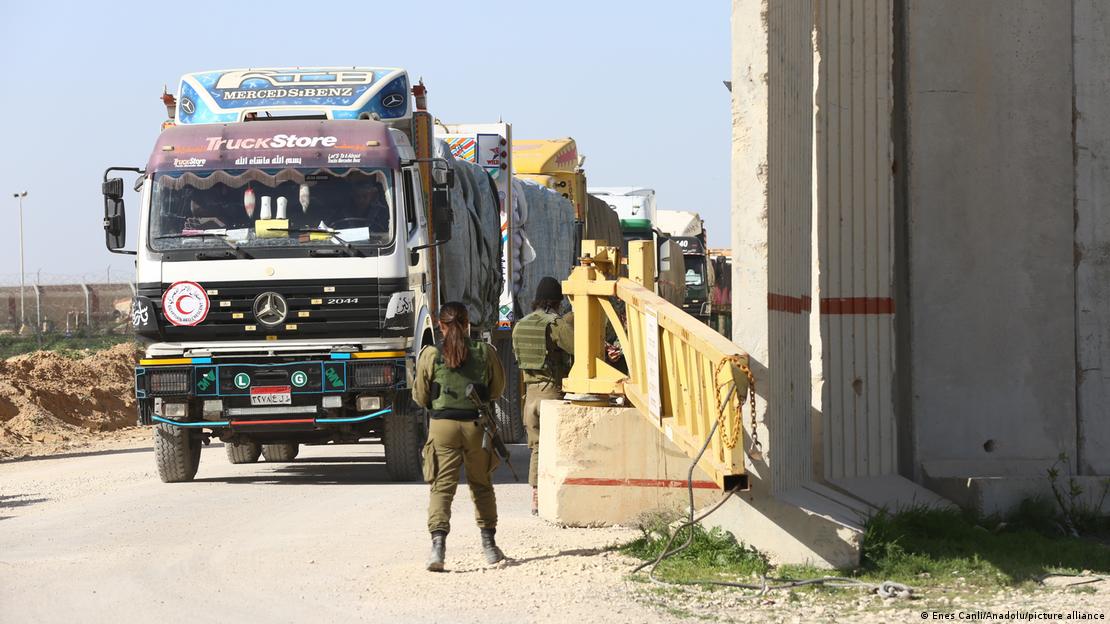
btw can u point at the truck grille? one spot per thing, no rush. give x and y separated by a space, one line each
316 308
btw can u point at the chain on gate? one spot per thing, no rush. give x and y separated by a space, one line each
730 435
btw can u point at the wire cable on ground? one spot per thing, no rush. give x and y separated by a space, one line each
886 589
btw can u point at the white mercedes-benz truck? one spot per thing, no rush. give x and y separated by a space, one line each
290 243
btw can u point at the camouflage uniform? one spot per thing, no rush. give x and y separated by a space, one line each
454 435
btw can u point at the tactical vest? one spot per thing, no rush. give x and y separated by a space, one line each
530 340
452 382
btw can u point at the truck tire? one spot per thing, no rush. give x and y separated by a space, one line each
244 453
177 453
510 410
280 452
403 436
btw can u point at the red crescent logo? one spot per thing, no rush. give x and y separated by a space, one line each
183 311
177 312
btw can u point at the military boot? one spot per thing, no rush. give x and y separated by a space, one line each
535 502
439 551
489 546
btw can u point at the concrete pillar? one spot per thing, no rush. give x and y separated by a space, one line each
772 148
853 238
787 512
1091 53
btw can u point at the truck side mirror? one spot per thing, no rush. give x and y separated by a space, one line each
442 175
115 223
442 215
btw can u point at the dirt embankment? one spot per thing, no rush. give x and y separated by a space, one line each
50 403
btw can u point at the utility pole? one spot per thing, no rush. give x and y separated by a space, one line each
22 312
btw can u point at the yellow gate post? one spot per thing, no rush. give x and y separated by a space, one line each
683 376
586 287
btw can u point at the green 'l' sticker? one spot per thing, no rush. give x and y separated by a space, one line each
242 380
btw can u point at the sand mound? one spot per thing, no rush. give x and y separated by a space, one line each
49 403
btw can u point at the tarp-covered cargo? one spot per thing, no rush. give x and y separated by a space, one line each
470 263
602 222
544 239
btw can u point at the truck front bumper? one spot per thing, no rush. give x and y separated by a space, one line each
275 392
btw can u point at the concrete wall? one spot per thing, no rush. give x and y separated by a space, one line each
772 150
990 216
853 238
1091 50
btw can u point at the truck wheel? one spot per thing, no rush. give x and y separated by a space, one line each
244 453
510 424
403 437
177 453
280 452
510 410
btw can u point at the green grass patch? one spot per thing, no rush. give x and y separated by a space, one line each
713 555
934 546
72 347
920 547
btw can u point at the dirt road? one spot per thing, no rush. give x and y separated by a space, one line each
98 538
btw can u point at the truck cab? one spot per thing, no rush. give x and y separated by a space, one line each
697 276
286 264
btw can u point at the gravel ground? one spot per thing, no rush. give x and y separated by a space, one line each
95 537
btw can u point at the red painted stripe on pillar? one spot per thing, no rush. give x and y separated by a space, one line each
786 303
665 483
857 305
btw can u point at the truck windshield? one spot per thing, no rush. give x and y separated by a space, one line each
254 209
695 271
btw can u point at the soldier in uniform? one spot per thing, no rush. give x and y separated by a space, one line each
542 343
454 435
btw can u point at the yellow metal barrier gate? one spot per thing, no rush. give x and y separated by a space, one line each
682 375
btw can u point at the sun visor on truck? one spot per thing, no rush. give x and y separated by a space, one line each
274 145
232 95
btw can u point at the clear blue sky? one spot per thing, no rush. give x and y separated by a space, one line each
637 84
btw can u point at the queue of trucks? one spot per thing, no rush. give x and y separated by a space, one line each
297 230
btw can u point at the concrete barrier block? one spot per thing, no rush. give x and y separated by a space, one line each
605 465
608 465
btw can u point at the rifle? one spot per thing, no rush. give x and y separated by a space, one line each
491 438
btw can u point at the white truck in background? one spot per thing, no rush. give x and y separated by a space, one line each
635 205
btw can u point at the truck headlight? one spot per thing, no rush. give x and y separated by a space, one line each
174 410
364 375
368 403
169 381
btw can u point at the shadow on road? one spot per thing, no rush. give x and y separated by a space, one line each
18 500
348 470
314 470
510 562
141 449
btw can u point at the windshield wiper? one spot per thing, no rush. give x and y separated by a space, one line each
222 237
351 248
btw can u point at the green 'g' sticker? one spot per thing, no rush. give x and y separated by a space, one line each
299 379
242 380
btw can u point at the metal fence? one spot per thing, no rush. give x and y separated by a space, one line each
70 308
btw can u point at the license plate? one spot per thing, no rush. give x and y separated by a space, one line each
271 395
